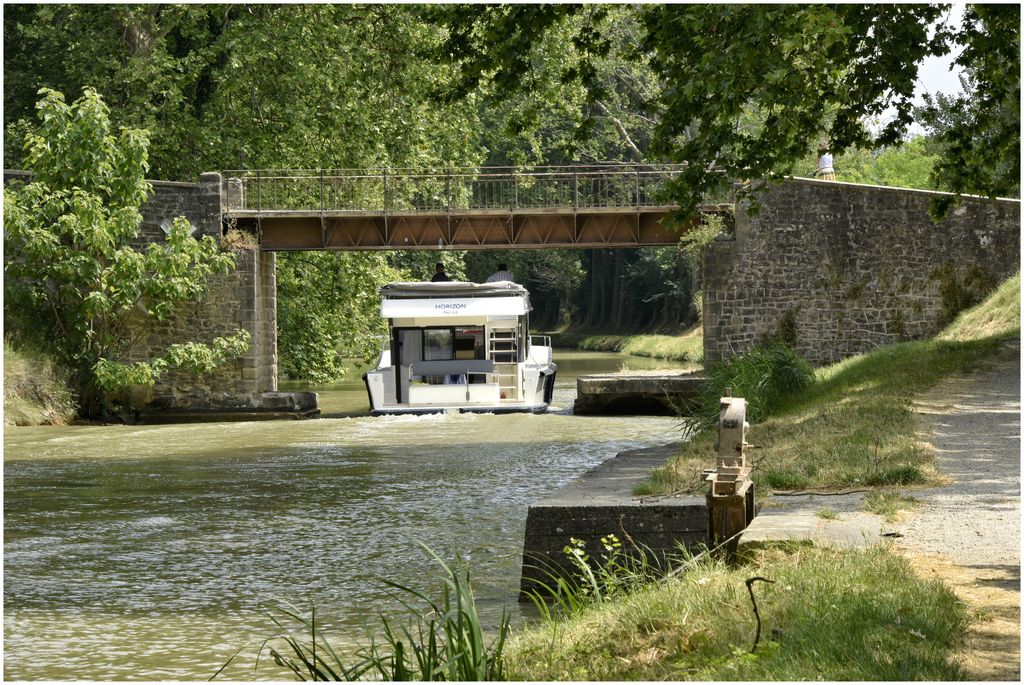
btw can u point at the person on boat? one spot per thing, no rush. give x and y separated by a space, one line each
502 274
439 274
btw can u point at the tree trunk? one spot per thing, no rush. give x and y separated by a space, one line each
617 290
696 283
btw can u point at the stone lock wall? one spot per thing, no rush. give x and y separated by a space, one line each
244 298
844 268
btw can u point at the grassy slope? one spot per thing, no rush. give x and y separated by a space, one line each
36 391
855 426
829 616
687 346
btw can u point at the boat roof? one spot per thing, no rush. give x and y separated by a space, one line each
400 290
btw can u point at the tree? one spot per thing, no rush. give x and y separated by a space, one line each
749 89
329 310
70 268
978 131
258 86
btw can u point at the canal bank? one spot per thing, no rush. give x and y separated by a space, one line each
601 503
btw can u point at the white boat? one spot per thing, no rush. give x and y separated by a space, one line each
457 346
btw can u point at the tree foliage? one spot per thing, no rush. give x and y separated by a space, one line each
747 90
905 165
978 131
70 267
249 86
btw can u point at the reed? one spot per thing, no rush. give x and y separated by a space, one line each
765 376
443 640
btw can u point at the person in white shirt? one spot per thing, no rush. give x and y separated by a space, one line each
502 274
825 172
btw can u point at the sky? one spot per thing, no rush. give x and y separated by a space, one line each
935 74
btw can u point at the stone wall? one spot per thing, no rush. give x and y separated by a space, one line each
842 268
601 503
200 203
245 298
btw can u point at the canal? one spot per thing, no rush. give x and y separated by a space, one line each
154 552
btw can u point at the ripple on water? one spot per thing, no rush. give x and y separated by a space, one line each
162 561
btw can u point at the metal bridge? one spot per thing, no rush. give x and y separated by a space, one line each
479 208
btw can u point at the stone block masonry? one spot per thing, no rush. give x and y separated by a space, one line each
601 503
244 298
200 203
841 269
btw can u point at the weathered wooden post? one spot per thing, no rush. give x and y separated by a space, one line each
730 496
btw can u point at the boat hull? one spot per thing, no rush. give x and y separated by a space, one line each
393 411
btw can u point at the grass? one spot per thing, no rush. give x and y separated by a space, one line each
855 425
36 390
889 505
687 346
829 615
827 513
443 640
1001 312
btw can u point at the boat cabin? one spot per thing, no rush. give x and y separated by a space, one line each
460 346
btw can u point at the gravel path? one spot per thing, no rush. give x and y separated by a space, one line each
967 533
974 424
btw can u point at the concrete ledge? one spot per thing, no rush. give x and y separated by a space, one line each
850 530
261 407
636 393
215 415
601 502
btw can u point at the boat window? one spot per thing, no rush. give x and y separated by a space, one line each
469 342
437 344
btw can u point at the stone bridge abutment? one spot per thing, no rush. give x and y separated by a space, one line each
243 299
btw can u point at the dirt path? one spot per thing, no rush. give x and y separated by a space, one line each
968 533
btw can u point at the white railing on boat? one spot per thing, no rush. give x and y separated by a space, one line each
449 368
545 342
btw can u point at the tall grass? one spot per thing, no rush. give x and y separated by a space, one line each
36 389
764 376
567 589
443 640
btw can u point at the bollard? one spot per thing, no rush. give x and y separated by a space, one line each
730 495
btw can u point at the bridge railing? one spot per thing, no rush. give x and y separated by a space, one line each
387 191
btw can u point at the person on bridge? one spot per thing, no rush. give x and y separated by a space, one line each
439 274
825 171
502 274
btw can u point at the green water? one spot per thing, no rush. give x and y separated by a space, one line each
152 552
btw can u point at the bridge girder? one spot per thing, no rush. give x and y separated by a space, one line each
467 230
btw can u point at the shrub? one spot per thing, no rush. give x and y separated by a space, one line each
764 376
